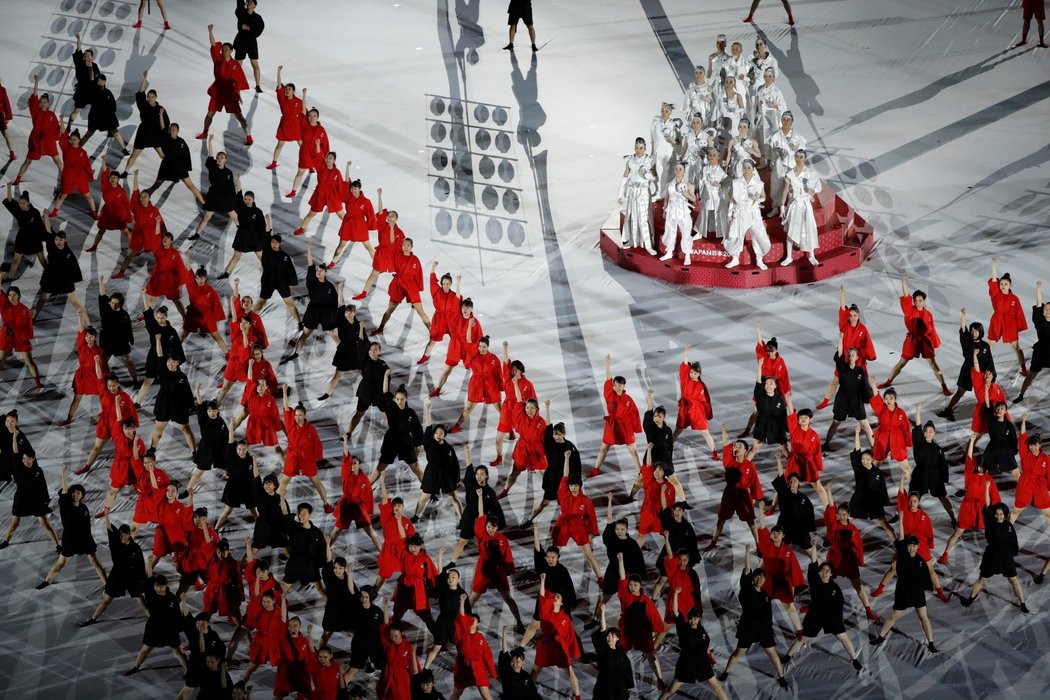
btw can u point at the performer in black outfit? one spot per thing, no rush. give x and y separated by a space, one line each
13 443
930 473
366 649
269 525
854 391
61 274
76 531
370 389
240 482
659 433
796 510
116 336
153 124
246 43
999 552
475 478
307 550
615 674
127 576
870 493
441 475
617 540
203 641
1000 454
971 339
86 73
341 603
33 231
31 499
771 422
214 443
168 345
448 591
695 661
756 620
515 682
278 275
913 580
103 116
1040 359
350 349
174 402
176 163
163 624
678 534
222 190
404 434
555 445
325 301
824 614
253 229
559 580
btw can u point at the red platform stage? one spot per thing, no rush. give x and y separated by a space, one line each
846 240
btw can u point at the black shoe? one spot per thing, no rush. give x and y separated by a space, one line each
323 397
966 601
856 664
945 414
508 47
184 493
43 584
131 671
224 276
782 682
125 153
722 677
5 544
878 641
194 237
258 89
1023 608
931 648
785 659
535 48
1039 578
88 622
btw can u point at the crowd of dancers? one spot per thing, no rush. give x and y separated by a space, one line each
194 581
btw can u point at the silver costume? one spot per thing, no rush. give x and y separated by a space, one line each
636 193
712 202
745 215
677 218
769 106
699 99
663 139
782 156
799 221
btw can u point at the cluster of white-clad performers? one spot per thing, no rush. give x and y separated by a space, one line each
221 579
735 122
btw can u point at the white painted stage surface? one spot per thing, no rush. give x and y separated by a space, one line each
917 113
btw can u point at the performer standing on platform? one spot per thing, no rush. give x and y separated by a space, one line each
639 178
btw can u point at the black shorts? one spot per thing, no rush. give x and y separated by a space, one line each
392 451
693 670
164 413
268 289
246 47
363 652
744 640
998 566
77 548
813 624
841 413
300 572
904 600
519 11
118 586
325 318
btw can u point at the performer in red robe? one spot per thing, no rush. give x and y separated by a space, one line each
464 331
169 273
388 244
359 220
224 591
357 503
694 405
264 420
296 664
313 147
77 173
513 405
115 214
743 489
621 419
921 340
260 584
108 423
576 520
202 544
1033 479
174 522
558 644
893 434
293 111
495 562
225 90
270 627
245 307
126 468
486 375
147 231
151 485
328 194
16 333
854 335
529 454
6 114
988 394
846 554
782 570
205 309
89 377
395 680
1008 317
407 285
640 619
304 450
396 529
446 308
43 139
658 496
474 664
417 578
806 457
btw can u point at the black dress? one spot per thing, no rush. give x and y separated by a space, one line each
222 189
756 616
323 307
348 351
404 432
246 43
692 665
62 272
176 164
796 515
116 336
11 450
278 273
984 358
1040 359
174 396
103 114
239 489
76 527
153 127
913 579
31 232
1000 548
633 561
127 576
559 580
930 474
771 422
86 80
339 608
515 685
1000 455
164 621
269 526
306 552
214 441
825 605
662 440
870 494
555 452
251 227
853 391
615 674
32 498
441 475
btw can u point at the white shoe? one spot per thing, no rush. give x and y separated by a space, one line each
785 262
687 261
760 265
625 243
813 260
650 251
668 255
733 263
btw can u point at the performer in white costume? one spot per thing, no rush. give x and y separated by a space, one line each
729 105
745 215
712 202
639 175
697 140
664 136
799 221
699 96
783 144
739 66
769 106
677 219
741 148
715 62
761 59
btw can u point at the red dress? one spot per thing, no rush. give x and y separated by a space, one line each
327 193
806 458
389 560
576 521
1033 488
922 339
528 450
495 559
418 575
174 522
856 337
395 680
108 425
446 306
511 409
144 235
149 497
694 408
312 155
77 172
748 474
168 275
486 373
268 638
357 502
971 510
777 368
304 447
264 420
115 214
17 331
893 436
360 218
86 380
621 421
43 139
978 423
657 497
386 249
122 471
639 619
290 126
783 573
205 309
408 279
5 109
558 644
225 91
846 555
474 665
687 580
1008 318
459 348
294 668
224 591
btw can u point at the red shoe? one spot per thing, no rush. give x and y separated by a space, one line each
67 421
167 26
299 231
272 165
82 471
291 194
823 404
11 156
90 250
791 20
202 135
601 582
943 559
942 596
798 634
501 495
375 332
54 213
359 297
1024 373
878 591
119 275
870 614
803 610
37 383
137 25
749 19
496 462
435 393
249 141
886 384
101 514
594 472
715 457
455 428
328 508
945 390
16 182
331 265
423 360
93 214
711 659
770 510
